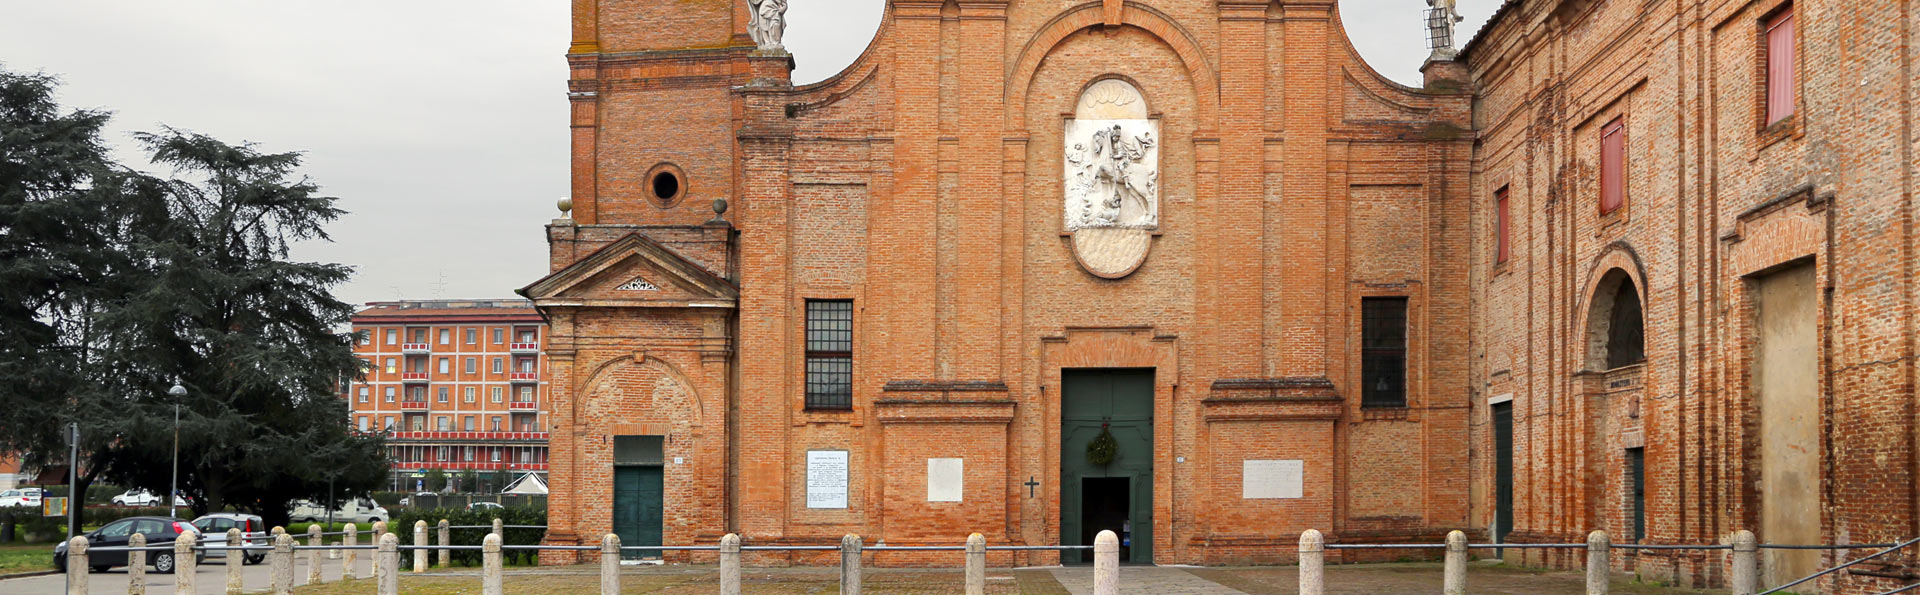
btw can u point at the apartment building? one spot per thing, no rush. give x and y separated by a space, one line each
456 385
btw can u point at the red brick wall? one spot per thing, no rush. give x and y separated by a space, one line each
924 183
1713 197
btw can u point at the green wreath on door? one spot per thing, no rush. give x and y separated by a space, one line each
1104 448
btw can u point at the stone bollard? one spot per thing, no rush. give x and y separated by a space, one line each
185 562
1598 547
77 567
976 564
500 528
313 556
373 566
419 546
730 564
446 539
137 565
387 576
610 564
235 559
1744 577
1106 563
1313 561
282 563
490 579
850 548
1456 568
349 556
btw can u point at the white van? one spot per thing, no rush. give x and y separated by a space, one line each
355 510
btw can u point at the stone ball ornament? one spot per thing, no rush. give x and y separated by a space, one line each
566 205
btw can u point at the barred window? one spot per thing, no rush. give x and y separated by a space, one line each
829 354
1383 352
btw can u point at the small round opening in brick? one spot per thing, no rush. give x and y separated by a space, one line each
666 185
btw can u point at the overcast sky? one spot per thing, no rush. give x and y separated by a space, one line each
441 125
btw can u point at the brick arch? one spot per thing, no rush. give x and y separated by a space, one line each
1093 14
654 381
1617 263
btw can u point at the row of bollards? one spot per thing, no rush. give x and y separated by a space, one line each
1743 573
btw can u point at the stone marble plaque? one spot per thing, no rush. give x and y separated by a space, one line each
1111 182
826 479
944 480
1260 480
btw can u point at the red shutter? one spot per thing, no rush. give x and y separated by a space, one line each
1613 171
1500 207
1780 66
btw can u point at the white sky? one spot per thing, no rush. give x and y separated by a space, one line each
441 125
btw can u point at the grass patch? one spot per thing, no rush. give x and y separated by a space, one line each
21 559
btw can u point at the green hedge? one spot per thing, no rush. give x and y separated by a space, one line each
27 524
403 528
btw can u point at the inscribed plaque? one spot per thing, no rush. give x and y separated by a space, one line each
826 479
1271 479
943 480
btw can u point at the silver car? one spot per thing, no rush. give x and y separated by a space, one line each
253 532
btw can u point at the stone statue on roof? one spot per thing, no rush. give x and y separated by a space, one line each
767 21
1441 18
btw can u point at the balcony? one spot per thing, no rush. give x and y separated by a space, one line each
415 348
527 405
475 465
412 405
524 377
414 377
524 348
450 436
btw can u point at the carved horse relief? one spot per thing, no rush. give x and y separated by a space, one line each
1111 183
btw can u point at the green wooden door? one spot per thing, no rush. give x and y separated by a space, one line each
1117 496
637 504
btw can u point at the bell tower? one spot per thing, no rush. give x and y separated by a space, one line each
652 114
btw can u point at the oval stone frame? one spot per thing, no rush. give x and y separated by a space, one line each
1110 178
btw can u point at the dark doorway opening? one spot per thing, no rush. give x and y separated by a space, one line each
1502 471
1104 505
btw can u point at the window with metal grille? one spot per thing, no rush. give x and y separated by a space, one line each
1383 352
829 354
1781 70
1613 166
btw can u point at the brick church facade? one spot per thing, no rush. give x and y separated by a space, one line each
1191 270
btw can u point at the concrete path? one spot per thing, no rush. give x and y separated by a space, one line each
211 578
1143 579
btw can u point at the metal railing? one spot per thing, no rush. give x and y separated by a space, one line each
1743 568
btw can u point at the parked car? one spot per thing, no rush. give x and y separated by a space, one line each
158 529
486 506
145 498
355 510
408 501
253 531
22 497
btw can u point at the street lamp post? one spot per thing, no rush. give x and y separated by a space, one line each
177 392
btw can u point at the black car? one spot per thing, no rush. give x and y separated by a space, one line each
158 529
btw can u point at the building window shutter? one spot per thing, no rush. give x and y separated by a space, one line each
1502 250
1613 170
1781 70
1383 352
829 354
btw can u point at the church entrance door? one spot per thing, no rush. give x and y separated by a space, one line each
1114 491
637 496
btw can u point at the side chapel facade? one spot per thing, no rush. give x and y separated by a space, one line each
1190 269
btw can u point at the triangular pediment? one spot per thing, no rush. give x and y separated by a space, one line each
634 271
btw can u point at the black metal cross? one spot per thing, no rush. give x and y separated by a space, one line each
1030 483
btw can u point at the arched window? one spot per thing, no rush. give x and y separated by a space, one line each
1626 339
1616 334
